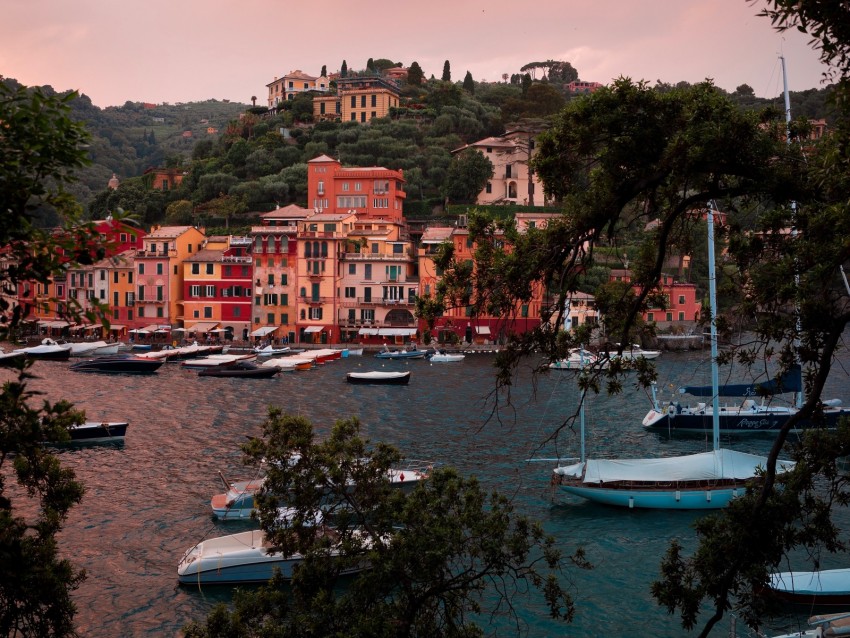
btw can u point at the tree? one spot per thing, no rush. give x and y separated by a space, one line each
468 83
440 556
447 72
343 70
180 213
415 76
370 65
324 72
467 176
40 146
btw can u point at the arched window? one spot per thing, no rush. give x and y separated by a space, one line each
308 252
324 249
512 190
315 249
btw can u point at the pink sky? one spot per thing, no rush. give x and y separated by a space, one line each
194 50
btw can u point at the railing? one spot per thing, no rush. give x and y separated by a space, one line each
406 257
315 300
232 259
156 253
349 302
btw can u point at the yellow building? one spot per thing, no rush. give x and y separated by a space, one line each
357 99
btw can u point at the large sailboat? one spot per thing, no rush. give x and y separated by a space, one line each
709 480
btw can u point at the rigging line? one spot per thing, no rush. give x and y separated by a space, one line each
532 446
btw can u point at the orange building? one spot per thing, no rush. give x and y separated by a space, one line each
371 192
294 83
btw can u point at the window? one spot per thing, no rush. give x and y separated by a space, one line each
115 298
367 314
669 316
650 316
129 299
345 186
681 316
353 102
141 268
141 312
210 291
102 294
237 311
524 310
129 315
129 276
363 116
115 277
194 291
210 269
316 313
284 318
681 300
283 279
115 314
352 269
271 279
488 188
374 100
367 294
367 275
196 269
159 293
362 101
160 312
353 116
207 312
284 300
270 318
227 271
314 292
141 293
350 292
159 269
374 248
398 249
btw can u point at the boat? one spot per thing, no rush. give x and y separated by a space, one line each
379 376
96 432
9 358
247 557
709 480
120 363
216 360
240 369
413 353
352 352
631 352
48 349
445 357
94 348
238 501
815 588
271 351
824 625
579 359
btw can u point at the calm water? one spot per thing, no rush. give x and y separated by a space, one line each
148 500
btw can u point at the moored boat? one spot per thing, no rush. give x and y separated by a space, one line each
94 348
240 369
379 376
413 353
216 360
815 588
445 357
48 349
97 432
121 364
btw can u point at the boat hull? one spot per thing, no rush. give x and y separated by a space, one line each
118 365
389 378
257 372
692 499
819 588
734 420
97 432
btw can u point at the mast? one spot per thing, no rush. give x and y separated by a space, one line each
712 302
799 395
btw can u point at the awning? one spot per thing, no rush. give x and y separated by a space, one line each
203 326
397 332
482 330
116 327
158 327
367 331
139 331
54 324
262 332
310 329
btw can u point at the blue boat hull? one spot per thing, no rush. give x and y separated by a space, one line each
691 499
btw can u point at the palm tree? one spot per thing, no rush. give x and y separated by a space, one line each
253 100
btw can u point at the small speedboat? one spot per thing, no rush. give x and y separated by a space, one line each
216 360
824 587
94 348
445 357
240 369
121 364
379 376
632 352
9 358
579 359
271 351
386 353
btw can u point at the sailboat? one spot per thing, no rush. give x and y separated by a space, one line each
709 480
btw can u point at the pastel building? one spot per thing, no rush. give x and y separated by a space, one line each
358 99
293 84
511 181
159 273
275 248
218 288
378 284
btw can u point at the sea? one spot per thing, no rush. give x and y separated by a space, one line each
147 499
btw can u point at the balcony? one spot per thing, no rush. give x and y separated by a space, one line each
232 259
315 301
149 301
404 257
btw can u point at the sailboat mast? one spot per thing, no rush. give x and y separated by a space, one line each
799 395
712 302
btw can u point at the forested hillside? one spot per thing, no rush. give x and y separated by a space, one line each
241 159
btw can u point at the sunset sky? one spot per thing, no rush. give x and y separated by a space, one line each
193 50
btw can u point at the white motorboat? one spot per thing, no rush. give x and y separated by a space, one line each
247 557
238 501
631 352
823 625
445 357
48 349
816 588
386 377
579 359
271 351
217 360
94 348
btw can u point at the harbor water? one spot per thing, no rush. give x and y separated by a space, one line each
147 500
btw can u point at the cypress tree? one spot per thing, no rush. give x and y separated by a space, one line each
468 83
447 72
343 70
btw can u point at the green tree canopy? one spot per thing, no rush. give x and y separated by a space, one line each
447 72
415 76
440 556
468 83
467 176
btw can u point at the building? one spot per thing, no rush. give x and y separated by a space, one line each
321 240
274 252
217 289
511 182
293 84
371 192
357 99
165 179
378 284
159 273
578 86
